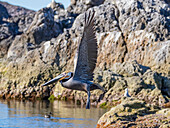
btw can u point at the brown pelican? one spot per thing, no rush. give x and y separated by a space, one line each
84 63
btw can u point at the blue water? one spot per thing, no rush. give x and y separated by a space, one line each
27 114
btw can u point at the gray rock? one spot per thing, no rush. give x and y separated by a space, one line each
4 13
43 26
4 45
41 29
166 86
15 21
22 17
130 69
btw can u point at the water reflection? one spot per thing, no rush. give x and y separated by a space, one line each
15 113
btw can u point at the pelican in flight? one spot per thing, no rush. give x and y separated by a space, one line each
84 62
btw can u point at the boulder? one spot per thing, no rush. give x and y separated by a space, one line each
132 112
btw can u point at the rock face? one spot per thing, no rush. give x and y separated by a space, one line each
140 81
4 13
22 17
13 21
133 53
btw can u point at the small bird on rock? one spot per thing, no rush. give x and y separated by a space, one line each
126 94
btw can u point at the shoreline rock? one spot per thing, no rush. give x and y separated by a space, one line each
135 113
133 52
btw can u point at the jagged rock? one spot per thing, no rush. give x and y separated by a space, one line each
88 2
4 45
145 27
128 110
166 86
19 15
7 29
133 112
4 13
15 11
43 26
16 20
144 15
41 29
147 85
62 16
153 79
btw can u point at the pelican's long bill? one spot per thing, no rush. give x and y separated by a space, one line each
53 80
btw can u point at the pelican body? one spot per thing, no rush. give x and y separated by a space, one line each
84 62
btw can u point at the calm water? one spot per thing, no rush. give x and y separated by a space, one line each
18 114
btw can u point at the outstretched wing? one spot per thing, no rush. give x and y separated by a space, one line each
87 50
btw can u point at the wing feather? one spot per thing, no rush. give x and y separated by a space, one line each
87 50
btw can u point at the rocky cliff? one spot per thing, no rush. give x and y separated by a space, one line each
133 52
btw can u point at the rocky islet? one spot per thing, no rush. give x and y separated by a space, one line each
133 53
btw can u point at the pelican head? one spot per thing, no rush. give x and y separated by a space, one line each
62 77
